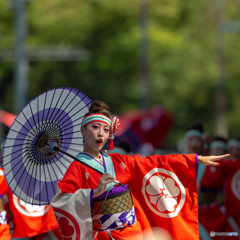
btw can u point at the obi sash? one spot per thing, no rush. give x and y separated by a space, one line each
115 211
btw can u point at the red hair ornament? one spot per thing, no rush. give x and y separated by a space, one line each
114 127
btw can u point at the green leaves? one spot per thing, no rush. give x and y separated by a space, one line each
182 55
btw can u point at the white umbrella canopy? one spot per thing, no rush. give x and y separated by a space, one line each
32 168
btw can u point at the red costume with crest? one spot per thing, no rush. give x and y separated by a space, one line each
163 189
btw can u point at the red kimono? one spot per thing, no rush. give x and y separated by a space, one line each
163 189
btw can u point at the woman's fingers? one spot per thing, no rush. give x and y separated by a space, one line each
214 163
216 158
103 181
212 159
106 174
107 178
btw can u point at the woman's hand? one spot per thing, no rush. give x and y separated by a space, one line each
210 160
102 184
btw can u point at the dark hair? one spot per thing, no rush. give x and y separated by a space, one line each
99 107
219 138
197 126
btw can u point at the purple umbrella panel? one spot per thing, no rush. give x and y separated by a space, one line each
32 169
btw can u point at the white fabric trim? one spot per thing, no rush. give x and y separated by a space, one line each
3 219
77 209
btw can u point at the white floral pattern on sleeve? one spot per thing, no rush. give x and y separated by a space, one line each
163 193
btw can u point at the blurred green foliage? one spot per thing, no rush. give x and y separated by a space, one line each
182 56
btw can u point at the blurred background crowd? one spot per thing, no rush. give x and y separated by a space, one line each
169 70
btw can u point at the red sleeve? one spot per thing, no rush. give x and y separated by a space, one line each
72 180
126 162
177 163
149 177
3 182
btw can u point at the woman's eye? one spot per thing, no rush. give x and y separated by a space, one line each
106 130
95 126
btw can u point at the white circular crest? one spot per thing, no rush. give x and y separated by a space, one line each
163 192
29 209
235 184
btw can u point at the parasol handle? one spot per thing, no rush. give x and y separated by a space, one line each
53 147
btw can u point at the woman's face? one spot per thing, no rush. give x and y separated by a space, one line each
194 145
95 136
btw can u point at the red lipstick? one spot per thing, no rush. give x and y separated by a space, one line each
99 141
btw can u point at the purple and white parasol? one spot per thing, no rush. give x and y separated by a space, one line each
53 119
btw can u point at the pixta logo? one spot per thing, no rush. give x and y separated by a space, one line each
212 234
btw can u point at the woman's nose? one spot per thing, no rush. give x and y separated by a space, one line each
100 132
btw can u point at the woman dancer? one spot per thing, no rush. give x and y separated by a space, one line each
117 196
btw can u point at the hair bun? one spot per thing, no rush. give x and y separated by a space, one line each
99 107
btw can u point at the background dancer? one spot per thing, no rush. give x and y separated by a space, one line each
230 172
210 185
194 139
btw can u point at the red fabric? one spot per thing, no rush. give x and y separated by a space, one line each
133 232
132 170
4 228
185 224
5 232
76 178
3 183
211 179
55 232
27 225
